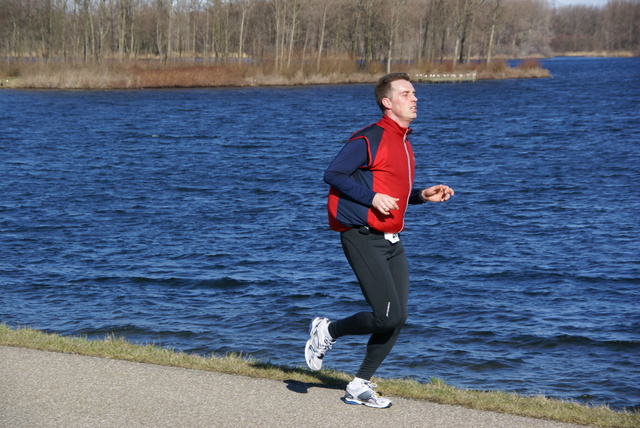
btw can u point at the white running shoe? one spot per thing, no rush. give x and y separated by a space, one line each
319 342
363 393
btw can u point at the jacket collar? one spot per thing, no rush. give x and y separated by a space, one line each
389 124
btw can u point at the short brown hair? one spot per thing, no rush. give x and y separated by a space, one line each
383 87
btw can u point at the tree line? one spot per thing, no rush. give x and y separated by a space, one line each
288 32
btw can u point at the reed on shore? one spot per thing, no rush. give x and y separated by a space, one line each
436 391
192 74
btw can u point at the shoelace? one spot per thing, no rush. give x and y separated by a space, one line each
324 347
371 386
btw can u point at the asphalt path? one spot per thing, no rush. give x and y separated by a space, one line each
41 389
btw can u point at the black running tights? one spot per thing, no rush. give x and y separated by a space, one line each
383 275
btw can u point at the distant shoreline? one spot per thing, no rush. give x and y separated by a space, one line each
188 74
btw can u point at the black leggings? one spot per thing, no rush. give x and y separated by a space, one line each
383 274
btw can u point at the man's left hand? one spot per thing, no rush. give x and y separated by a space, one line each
438 193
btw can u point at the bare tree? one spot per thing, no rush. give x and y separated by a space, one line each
296 7
464 11
286 31
393 24
244 9
495 8
323 28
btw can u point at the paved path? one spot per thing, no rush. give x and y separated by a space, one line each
41 389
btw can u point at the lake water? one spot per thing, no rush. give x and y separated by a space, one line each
195 220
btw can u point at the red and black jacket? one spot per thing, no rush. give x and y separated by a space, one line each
376 159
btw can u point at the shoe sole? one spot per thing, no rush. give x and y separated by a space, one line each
357 402
307 351
309 355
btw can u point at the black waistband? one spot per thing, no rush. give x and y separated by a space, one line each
365 230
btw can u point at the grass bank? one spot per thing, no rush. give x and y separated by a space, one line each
237 364
189 74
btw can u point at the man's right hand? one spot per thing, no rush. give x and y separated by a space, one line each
384 203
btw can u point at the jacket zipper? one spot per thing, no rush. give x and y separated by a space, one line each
406 153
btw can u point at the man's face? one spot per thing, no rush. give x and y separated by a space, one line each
402 103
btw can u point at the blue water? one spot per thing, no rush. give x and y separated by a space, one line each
195 220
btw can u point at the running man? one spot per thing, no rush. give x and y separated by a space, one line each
371 185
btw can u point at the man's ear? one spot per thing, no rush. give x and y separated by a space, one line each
386 102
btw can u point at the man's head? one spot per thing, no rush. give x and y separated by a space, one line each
396 97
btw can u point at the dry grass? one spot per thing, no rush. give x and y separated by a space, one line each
63 76
147 74
500 69
436 391
189 74
185 76
120 75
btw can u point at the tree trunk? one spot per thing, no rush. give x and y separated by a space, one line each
493 30
241 35
323 26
